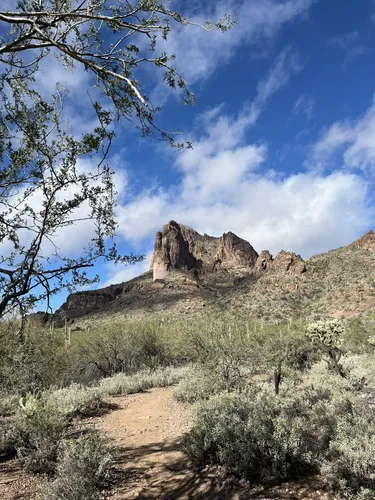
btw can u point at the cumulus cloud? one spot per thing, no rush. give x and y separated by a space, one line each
351 141
226 185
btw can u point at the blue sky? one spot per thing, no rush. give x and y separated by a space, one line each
283 131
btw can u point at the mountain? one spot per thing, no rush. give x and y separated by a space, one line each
191 273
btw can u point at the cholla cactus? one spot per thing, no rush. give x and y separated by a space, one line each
328 335
29 405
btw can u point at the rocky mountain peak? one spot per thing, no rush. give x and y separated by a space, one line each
196 273
289 262
264 260
171 251
180 247
366 242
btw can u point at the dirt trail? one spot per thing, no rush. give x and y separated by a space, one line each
148 429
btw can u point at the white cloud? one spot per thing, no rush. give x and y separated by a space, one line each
304 105
345 40
351 45
306 213
353 141
67 240
226 186
199 54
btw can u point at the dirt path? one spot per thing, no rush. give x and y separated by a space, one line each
148 429
15 484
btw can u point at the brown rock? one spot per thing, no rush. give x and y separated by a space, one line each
366 242
264 260
179 247
171 251
234 251
289 262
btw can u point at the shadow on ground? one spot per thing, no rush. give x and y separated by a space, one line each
174 478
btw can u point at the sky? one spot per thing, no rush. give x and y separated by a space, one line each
283 132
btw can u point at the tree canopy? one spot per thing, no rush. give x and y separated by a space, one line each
43 186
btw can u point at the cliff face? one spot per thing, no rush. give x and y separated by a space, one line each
179 247
171 251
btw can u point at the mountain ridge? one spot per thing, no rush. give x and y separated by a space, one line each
191 273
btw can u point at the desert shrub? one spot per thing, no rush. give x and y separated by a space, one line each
350 465
268 438
34 364
249 436
224 349
40 427
122 384
199 384
8 403
114 346
83 469
77 400
358 330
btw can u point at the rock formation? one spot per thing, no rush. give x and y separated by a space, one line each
264 260
179 247
171 251
195 273
289 262
366 242
234 251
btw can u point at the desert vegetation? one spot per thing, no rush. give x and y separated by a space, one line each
271 402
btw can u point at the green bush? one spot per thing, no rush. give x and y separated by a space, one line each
350 466
83 469
248 436
122 384
322 422
35 364
8 404
40 427
199 384
77 400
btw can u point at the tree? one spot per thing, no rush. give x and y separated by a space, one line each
42 186
328 336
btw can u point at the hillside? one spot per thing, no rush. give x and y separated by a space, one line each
194 273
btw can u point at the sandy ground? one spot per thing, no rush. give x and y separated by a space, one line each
148 430
16 484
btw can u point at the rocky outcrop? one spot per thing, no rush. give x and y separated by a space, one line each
289 262
197 273
171 251
263 261
80 304
180 247
235 252
366 242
